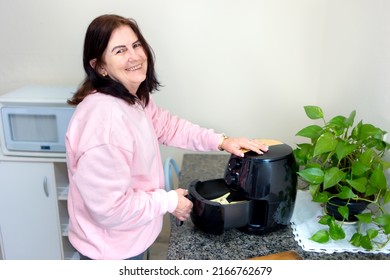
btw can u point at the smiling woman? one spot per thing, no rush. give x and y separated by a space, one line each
117 198
114 47
126 63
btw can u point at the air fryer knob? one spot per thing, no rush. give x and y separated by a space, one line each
231 179
234 163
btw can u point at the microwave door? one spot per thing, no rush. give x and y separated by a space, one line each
35 129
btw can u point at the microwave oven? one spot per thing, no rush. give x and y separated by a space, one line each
34 120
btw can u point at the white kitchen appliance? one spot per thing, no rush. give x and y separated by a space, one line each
34 120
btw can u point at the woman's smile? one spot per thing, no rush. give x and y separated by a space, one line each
134 68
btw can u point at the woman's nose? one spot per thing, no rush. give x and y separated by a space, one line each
133 55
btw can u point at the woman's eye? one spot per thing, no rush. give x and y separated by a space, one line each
136 45
119 51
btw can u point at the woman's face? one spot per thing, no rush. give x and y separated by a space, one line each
124 59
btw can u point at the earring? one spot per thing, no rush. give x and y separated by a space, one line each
104 74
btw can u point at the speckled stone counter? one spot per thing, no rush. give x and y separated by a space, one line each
189 243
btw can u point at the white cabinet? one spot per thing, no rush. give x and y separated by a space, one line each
33 210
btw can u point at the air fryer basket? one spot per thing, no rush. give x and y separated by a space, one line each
214 217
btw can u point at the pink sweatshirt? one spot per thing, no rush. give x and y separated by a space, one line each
116 183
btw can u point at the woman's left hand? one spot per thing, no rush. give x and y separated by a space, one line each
238 146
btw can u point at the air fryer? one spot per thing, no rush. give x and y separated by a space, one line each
265 185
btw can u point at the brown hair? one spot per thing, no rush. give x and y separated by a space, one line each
96 40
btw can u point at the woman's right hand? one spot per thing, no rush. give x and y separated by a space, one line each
184 205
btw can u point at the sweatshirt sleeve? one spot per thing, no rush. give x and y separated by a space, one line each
174 131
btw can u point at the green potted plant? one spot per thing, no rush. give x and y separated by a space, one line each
343 161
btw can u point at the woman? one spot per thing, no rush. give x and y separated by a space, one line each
116 193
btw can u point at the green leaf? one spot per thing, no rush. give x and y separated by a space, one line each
349 122
386 198
386 229
311 131
365 217
346 193
356 130
371 190
302 153
321 236
344 149
344 211
332 176
324 220
313 189
355 239
314 112
336 232
372 233
366 157
337 122
383 220
304 148
321 197
368 130
385 164
358 184
359 168
378 178
365 242
325 143
338 125
314 176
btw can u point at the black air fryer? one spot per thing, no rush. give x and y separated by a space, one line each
256 195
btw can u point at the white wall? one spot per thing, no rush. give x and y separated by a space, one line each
243 67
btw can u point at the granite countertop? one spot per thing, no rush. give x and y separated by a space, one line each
189 243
